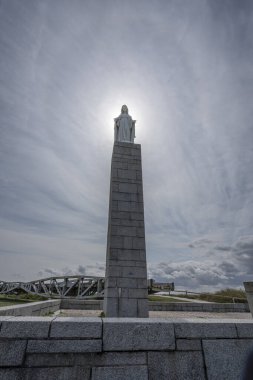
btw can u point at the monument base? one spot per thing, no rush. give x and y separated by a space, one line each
126 268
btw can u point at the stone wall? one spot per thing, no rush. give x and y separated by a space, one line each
31 308
122 349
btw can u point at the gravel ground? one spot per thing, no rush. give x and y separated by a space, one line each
162 314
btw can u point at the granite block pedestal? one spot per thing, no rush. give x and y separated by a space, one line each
126 268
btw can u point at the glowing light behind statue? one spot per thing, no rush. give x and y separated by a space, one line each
124 126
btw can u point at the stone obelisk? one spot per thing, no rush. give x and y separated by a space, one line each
126 267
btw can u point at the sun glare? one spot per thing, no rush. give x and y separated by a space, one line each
111 108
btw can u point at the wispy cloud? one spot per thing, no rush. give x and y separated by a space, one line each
220 266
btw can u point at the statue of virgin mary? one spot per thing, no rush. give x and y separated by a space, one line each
124 126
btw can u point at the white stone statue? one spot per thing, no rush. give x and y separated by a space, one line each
124 126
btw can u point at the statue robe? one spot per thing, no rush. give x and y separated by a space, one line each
124 129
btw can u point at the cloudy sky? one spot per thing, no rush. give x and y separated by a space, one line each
185 70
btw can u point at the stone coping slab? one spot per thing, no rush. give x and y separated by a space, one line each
79 327
31 308
120 373
32 304
63 345
25 327
134 333
123 348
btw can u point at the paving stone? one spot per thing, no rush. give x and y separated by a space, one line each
26 327
188 344
63 327
12 374
120 373
86 359
205 329
226 358
122 358
176 366
58 346
244 329
77 373
12 352
125 334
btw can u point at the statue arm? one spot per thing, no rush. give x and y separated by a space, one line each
116 121
116 128
133 127
133 131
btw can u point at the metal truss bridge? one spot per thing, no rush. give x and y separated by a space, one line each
58 287
68 287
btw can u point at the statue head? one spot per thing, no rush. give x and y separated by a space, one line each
124 109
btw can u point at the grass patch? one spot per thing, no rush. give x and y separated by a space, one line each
22 297
49 314
4 303
225 296
228 295
163 299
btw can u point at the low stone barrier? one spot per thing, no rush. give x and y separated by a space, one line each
249 293
123 348
162 306
31 308
45 307
204 307
79 304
